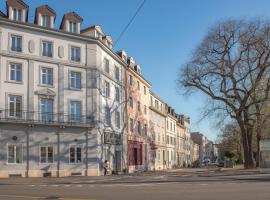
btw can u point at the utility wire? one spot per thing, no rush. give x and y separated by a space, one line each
130 21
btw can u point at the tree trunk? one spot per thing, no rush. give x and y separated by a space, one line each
258 150
246 134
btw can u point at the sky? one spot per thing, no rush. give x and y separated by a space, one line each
161 38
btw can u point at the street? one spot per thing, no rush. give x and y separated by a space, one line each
187 185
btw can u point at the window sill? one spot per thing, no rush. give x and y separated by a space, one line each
75 89
13 51
15 82
48 86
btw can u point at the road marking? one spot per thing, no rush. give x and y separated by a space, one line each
55 185
78 185
38 197
66 185
204 184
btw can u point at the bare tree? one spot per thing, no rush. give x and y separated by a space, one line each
229 67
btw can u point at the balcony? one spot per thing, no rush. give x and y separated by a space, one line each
41 118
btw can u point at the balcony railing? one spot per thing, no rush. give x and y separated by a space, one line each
47 118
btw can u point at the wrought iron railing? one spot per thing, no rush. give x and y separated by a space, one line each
20 116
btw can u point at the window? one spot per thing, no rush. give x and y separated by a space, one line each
156 104
16 43
75 54
15 153
46 154
17 14
75 111
138 85
46 76
145 129
107 89
139 128
106 65
145 109
45 20
107 116
15 106
117 119
151 99
117 73
131 102
144 89
46 110
75 80
139 106
72 27
47 48
131 125
130 80
167 139
117 94
15 72
75 154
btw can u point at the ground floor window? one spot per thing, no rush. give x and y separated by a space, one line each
75 154
46 154
15 153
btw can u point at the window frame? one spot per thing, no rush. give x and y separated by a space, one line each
15 154
47 17
15 72
75 146
21 44
80 110
70 85
41 76
52 48
46 113
106 65
47 154
71 58
15 106
117 94
16 15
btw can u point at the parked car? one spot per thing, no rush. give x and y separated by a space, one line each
220 163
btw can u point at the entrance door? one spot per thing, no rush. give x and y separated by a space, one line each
118 157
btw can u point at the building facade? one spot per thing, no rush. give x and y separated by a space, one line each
68 102
157 131
55 99
137 93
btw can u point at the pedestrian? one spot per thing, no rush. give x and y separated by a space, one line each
106 167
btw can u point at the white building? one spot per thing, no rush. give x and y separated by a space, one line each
61 94
157 131
171 135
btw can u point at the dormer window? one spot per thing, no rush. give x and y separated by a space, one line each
17 14
17 10
71 22
45 20
45 16
72 27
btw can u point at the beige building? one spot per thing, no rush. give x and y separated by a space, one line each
137 93
157 131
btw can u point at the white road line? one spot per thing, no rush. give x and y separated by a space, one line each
204 184
78 185
55 185
66 185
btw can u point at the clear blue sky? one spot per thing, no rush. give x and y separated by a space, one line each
161 37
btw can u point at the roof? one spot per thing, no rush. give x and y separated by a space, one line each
73 16
97 27
17 3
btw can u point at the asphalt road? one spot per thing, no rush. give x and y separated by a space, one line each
178 185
